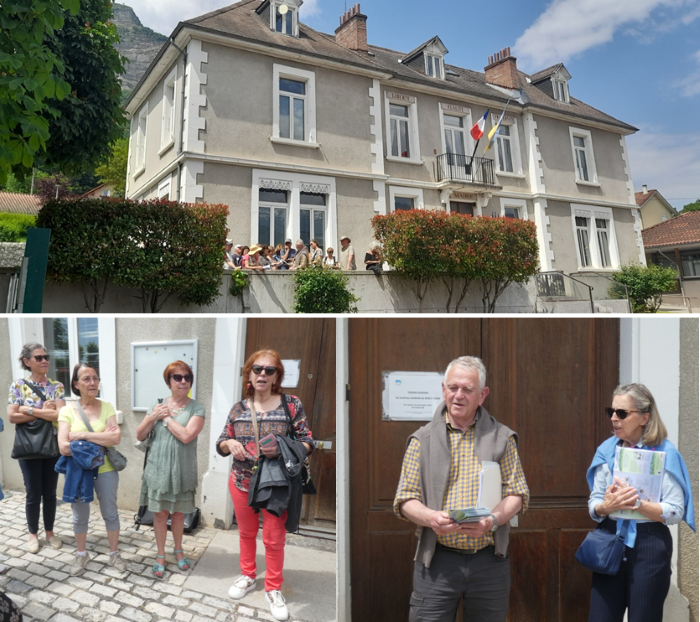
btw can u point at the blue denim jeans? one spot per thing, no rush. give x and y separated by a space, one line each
80 469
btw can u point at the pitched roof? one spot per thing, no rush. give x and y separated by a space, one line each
415 52
17 203
241 21
545 73
678 231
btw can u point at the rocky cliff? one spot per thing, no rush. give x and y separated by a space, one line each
138 43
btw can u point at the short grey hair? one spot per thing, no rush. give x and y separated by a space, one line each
300 241
26 353
374 245
473 363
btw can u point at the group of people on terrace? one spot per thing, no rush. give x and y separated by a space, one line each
295 256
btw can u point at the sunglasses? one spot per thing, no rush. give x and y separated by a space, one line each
258 369
41 357
621 414
181 377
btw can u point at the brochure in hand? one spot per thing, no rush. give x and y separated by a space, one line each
469 515
643 469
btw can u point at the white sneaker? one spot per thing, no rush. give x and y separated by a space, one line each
278 607
241 587
117 562
78 564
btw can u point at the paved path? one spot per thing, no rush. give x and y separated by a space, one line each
42 586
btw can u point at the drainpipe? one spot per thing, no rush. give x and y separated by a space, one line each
182 115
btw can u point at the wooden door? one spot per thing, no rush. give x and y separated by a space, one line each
312 341
550 380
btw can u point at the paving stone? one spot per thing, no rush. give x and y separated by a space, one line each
183 616
203 609
81 582
103 590
111 572
19 600
62 617
85 598
168 589
16 573
160 610
65 604
37 611
175 601
149 594
192 595
40 582
49 552
218 603
109 607
135 615
93 576
91 615
224 617
246 611
57 575
94 566
39 569
18 587
30 557
115 619
129 599
62 589
137 580
202 619
16 563
178 579
55 564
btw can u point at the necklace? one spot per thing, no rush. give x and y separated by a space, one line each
176 411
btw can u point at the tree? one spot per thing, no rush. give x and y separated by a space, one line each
31 78
646 285
113 171
319 290
691 207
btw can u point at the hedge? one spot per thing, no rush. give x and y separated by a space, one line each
429 245
160 248
13 227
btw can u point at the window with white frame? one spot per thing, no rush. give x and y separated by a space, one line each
455 136
584 162
294 105
164 189
561 90
272 216
596 245
405 198
312 217
402 128
513 208
140 151
284 18
508 149
167 134
434 66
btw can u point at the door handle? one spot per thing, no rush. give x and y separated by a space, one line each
324 444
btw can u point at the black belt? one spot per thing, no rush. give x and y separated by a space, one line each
610 526
450 549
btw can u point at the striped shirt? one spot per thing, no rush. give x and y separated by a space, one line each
462 489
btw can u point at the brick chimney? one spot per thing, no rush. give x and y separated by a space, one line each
352 32
502 70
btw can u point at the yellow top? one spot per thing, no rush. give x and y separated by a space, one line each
71 416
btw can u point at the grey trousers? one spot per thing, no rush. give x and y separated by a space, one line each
483 579
106 486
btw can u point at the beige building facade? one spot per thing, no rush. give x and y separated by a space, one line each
309 135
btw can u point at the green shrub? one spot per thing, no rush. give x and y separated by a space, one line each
160 248
239 281
430 245
322 291
13 227
646 285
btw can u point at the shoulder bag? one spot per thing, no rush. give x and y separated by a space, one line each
602 552
307 486
35 440
117 458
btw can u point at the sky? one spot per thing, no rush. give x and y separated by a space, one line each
637 60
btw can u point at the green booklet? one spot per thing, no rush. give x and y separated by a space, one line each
643 469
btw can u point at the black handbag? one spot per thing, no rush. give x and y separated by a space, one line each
602 552
35 440
307 486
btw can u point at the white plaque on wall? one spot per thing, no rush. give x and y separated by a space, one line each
292 370
410 395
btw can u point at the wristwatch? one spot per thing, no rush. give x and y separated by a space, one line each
165 421
31 411
495 523
637 504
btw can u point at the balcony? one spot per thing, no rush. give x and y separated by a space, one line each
454 168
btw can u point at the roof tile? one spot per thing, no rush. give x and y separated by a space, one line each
17 203
683 229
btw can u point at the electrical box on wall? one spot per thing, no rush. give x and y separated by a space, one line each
148 362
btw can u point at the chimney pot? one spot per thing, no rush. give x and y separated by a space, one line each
352 32
644 189
502 70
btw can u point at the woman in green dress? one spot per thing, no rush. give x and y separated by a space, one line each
170 476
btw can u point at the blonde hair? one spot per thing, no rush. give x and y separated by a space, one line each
654 431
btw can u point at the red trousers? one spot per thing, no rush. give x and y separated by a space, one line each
274 535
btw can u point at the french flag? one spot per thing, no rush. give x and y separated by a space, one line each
478 130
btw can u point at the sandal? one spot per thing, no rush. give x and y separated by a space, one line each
184 563
158 569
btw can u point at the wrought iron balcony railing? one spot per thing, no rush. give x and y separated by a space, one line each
465 169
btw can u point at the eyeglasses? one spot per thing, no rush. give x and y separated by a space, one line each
258 369
90 379
180 377
621 414
41 357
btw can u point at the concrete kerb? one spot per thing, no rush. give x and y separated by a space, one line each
43 588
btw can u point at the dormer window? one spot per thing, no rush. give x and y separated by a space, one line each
561 90
284 16
434 66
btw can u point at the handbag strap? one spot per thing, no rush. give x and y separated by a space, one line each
254 417
35 389
81 412
285 406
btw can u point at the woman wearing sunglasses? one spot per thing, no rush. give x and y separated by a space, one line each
33 401
170 475
263 408
642 582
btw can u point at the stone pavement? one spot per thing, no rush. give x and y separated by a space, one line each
42 586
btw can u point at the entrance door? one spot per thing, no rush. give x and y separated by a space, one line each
550 380
313 342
